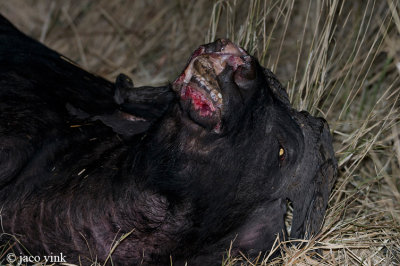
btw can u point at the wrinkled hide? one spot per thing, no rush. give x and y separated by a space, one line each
184 169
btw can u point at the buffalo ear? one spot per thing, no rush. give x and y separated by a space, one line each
149 103
139 107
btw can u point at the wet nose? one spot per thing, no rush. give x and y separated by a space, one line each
246 75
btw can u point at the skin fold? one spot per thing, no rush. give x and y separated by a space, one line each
180 170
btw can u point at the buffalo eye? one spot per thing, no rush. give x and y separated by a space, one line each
281 153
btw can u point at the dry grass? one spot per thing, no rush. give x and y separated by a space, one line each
337 59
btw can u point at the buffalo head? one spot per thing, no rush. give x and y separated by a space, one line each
237 152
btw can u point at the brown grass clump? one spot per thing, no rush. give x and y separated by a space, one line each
337 59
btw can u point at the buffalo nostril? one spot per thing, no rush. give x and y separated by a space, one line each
246 74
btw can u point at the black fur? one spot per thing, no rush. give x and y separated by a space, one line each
84 161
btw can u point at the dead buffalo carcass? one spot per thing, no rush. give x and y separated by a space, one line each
110 172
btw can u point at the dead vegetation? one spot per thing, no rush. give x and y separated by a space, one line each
337 59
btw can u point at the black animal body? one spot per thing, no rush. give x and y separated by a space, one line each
180 171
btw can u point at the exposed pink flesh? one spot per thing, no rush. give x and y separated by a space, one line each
199 101
230 55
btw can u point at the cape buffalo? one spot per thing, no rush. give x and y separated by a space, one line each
97 171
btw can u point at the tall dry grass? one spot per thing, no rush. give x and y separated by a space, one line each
338 59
